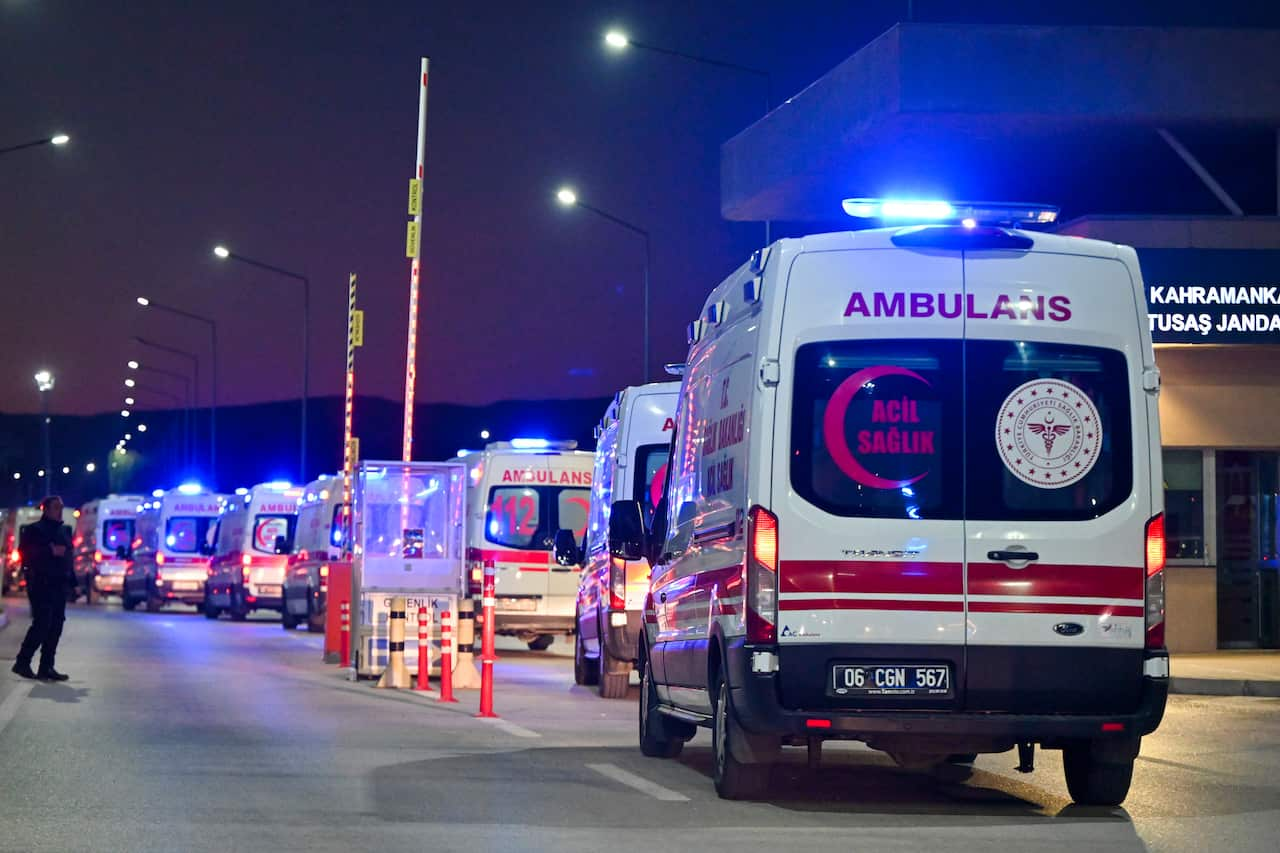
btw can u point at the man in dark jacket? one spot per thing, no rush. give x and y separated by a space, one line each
46 553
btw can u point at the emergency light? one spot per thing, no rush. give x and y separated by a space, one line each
530 443
190 489
967 213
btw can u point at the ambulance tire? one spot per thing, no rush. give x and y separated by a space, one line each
287 620
583 672
315 621
239 609
657 740
209 611
541 643
734 780
1093 782
612 685
154 603
128 602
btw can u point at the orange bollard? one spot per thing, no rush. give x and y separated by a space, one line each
487 602
424 649
446 656
344 642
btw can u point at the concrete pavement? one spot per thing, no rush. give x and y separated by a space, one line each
1228 673
177 733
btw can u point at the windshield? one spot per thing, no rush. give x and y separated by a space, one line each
267 527
528 516
186 534
117 533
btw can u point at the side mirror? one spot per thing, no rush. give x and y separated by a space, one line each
627 539
283 546
566 550
122 552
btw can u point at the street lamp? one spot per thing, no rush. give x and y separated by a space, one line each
617 41
226 254
213 355
66 469
58 139
44 384
568 198
91 467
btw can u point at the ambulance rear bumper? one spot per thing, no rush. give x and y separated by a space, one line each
755 703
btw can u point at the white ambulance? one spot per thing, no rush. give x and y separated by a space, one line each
113 531
520 493
915 501
251 550
320 542
174 539
633 443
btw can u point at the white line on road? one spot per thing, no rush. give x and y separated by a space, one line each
9 707
510 727
640 783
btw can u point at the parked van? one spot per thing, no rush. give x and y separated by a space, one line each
84 543
521 493
633 442
17 518
915 500
320 541
175 543
254 538
110 542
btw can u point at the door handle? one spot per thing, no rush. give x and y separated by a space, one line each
1013 556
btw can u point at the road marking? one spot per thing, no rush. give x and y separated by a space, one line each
9 707
640 783
510 727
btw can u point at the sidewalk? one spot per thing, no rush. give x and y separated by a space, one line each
1248 672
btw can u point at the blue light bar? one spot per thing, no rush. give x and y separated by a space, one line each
157 493
530 443
242 491
969 213
279 484
190 488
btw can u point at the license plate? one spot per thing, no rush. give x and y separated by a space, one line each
516 604
268 590
891 679
185 586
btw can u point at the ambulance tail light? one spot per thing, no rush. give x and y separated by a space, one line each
475 582
617 584
245 571
1155 557
159 558
159 576
15 557
762 576
97 556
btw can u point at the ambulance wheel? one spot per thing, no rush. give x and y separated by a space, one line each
154 604
239 609
127 602
315 621
287 620
734 779
1093 782
583 672
656 738
209 611
542 642
611 683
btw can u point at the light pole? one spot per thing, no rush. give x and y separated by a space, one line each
195 369
226 254
618 41
44 382
213 355
568 198
56 139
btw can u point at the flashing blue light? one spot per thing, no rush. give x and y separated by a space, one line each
462 451
171 540
336 537
908 491
157 493
279 484
494 527
242 491
875 208
190 488
530 443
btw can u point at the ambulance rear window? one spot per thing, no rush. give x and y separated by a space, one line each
878 428
651 472
117 533
527 517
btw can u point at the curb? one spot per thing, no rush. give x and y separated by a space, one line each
1225 687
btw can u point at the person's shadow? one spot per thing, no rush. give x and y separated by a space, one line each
58 692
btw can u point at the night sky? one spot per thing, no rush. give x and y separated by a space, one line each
286 130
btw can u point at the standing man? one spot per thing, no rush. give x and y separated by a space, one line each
46 554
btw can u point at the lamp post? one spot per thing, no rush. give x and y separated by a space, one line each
44 382
226 254
213 355
568 198
58 139
193 389
618 41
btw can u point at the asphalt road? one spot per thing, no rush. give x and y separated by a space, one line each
179 734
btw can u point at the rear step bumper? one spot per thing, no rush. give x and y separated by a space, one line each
756 706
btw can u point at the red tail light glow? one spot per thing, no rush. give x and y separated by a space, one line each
617 584
476 583
1155 558
159 558
762 576
97 556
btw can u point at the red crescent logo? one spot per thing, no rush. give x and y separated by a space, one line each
655 488
833 426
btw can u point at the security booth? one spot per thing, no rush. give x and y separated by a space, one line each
409 541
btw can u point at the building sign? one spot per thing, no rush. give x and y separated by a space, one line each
1212 296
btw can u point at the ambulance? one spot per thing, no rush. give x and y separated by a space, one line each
251 550
520 493
633 442
915 501
320 542
174 545
17 518
110 533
